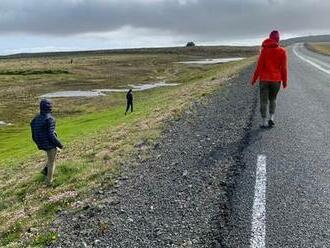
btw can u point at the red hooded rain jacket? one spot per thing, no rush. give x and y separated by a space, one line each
272 64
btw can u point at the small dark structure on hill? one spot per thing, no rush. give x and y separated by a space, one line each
190 44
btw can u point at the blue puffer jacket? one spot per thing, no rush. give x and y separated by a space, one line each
43 128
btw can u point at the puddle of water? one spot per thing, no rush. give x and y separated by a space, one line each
110 90
100 92
139 87
211 61
73 93
3 123
142 87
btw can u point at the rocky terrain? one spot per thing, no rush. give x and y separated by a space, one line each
180 196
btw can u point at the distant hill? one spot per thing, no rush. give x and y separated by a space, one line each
306 39
212 51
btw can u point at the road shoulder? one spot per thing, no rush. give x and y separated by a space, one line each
180 196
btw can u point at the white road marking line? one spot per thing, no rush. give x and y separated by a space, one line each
258 231
309 61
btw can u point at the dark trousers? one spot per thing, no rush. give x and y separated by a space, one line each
268 93
129 105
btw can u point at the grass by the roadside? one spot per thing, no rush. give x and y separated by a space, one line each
319 47
98 142
33 72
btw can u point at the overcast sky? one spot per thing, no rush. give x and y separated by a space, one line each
47 25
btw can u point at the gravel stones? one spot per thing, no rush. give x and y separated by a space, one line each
178 197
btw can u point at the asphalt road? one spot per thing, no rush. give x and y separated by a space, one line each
288 203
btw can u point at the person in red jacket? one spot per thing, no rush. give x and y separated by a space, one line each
271 71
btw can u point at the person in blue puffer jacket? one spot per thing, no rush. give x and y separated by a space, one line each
44 135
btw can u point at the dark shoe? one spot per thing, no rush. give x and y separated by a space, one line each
44 171
271 123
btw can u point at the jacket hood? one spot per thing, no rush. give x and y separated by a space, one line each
45 106
270 43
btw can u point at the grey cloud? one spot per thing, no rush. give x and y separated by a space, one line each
196 18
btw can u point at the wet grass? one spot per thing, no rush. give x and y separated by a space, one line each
320 47
98 137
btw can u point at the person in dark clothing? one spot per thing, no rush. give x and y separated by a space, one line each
129 97
44 135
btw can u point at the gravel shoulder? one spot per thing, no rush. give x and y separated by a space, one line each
180 196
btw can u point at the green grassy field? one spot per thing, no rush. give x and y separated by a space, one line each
98 137
319 47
